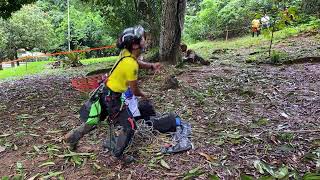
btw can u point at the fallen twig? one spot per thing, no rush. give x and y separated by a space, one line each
75 154
286 131
298 131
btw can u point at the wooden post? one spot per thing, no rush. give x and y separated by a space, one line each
227 33
1 68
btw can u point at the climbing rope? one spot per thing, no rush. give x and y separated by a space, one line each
144 134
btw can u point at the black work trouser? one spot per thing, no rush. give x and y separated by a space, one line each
258 33
120 118
163 123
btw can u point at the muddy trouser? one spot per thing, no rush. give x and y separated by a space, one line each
121 122
255 30
77 133
162 123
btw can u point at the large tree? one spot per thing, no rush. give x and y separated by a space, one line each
88 27
173 12
31 28
121 14
150 15
118 13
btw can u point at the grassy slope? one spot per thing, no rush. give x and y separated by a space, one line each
205 48
40 67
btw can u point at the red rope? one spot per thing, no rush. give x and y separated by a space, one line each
58 53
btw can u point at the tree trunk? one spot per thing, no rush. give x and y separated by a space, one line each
1 66
173 12
149 10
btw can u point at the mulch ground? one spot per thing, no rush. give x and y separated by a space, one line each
240 113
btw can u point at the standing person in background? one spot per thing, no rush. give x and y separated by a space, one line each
255 27
265 21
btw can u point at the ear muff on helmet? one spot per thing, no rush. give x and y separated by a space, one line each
130 36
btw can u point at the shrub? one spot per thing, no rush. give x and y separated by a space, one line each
277 56
251 59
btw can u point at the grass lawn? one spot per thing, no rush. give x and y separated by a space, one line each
40 67
22 70
98 60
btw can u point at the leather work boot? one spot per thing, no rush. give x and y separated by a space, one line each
127 159
121 140
76 134
109 146
117 143
123 159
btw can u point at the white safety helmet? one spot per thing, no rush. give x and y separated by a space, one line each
129 36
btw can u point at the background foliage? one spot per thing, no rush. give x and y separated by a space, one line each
208 19
9 6
94 23
3 35
31 28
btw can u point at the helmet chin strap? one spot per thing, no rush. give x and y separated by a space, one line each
137 53
142 49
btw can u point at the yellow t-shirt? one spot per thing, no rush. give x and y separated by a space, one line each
255 23
126 70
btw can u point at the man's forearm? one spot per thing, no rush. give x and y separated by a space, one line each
145 65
